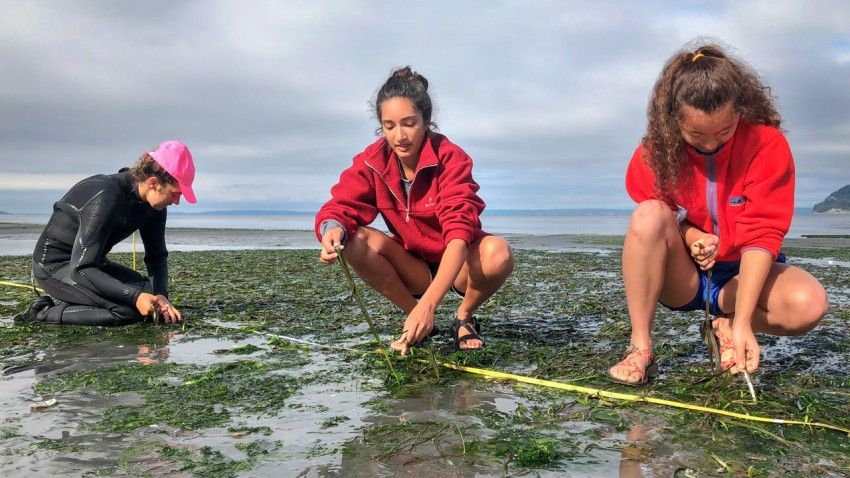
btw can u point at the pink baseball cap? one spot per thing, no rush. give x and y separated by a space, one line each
175 158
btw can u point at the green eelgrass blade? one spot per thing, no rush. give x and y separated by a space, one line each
364 312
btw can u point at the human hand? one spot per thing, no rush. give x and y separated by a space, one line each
331 239
168 312
144 303
704 251
747 350
417 327
147 302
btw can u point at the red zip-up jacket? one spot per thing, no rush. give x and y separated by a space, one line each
744 194
442 205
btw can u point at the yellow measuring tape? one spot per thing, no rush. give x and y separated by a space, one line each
634 398
23 286
134 250
594 392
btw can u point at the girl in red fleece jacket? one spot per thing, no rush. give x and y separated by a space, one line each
714 181
422 186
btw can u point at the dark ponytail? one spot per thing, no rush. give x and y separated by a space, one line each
406 83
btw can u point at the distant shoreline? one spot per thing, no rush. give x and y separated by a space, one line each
20 239
487 212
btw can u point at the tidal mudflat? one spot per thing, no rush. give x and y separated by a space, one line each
221 395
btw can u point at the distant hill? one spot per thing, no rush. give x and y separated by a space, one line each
3 212
837 202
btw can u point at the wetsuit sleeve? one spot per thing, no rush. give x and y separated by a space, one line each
458 204
769 193
352 202
97 218
156 254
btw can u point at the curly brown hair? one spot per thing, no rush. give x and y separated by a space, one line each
705 78
146 166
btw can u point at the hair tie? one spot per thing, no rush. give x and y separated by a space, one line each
697 56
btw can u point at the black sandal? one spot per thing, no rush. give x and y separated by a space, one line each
471 326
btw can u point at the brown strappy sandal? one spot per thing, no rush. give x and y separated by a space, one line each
649 373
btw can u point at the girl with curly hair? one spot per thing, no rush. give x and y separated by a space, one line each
713 179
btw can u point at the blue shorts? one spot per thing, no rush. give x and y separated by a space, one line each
723 273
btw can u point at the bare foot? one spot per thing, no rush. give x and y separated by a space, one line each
401 345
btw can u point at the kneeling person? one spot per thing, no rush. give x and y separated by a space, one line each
70 261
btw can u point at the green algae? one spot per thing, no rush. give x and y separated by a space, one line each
334 421
202 462
59 445
561 316
241 350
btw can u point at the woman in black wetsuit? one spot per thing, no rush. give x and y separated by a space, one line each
70 262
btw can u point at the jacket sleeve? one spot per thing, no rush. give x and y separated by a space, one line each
89 249
769 194
458 205
352 202
156 253
640 180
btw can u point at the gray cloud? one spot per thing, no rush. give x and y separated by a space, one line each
273 97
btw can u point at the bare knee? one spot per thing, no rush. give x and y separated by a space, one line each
808 306
496 257
366 239
651 219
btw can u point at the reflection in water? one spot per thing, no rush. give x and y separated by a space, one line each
632 455
430 446
64 426
157 353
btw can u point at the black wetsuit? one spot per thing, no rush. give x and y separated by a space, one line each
70 262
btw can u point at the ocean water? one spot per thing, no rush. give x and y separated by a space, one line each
294 231
608 223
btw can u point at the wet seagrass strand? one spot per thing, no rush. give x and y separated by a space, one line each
356 294
708 331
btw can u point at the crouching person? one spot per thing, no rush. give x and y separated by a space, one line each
421 184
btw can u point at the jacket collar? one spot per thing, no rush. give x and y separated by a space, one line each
128 185
385 161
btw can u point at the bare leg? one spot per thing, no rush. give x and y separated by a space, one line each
397 275
656 267
489 263
387 267
792 302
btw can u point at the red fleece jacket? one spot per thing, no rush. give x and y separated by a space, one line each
754 176
443 204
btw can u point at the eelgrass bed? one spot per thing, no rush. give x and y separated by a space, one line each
223 396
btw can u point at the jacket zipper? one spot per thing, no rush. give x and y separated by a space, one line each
711 193
406 203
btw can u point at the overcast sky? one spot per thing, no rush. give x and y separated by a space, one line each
272 98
